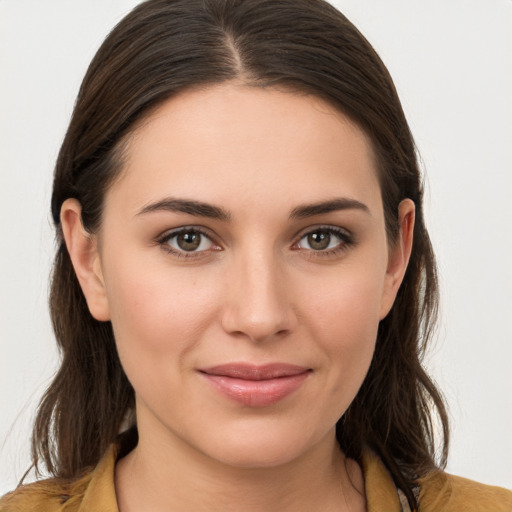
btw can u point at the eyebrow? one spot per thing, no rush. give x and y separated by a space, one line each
191 207
200 209
332 205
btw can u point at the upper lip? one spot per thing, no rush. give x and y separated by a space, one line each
247 371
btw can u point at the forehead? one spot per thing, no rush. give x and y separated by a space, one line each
242 146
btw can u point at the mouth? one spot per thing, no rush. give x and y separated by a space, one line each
256 386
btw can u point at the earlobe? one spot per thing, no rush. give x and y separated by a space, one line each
399 255
83 251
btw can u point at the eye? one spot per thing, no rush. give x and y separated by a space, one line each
325 239
187 241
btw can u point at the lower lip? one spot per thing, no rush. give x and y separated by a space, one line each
257 393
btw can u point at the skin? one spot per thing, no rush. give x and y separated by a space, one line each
256 291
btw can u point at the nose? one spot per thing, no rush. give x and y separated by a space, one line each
257 302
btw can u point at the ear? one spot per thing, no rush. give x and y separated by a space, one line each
83 251
399 255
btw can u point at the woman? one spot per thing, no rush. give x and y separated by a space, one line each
242 247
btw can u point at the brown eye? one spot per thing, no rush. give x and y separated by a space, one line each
325 239
319 240
187 241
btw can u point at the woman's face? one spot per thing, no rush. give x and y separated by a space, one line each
243 262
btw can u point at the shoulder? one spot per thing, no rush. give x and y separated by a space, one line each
51 495
93 491
442 492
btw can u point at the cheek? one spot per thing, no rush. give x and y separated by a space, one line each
344 320
346 303
157 314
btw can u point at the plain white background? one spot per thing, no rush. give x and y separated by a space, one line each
451 61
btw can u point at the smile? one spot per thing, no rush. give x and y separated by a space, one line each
256 386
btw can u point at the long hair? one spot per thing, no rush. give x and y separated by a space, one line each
166 46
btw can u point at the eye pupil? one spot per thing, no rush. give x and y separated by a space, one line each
189 240
319 240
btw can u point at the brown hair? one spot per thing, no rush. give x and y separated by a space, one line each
163 47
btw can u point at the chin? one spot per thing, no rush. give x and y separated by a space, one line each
263 447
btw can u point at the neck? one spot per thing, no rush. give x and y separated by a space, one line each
159 475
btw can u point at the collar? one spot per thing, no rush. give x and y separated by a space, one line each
381 493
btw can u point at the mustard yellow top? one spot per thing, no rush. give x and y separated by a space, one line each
440 492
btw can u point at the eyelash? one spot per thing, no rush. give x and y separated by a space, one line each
164 240
346 241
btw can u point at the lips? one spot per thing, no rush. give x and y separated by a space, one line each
256 386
